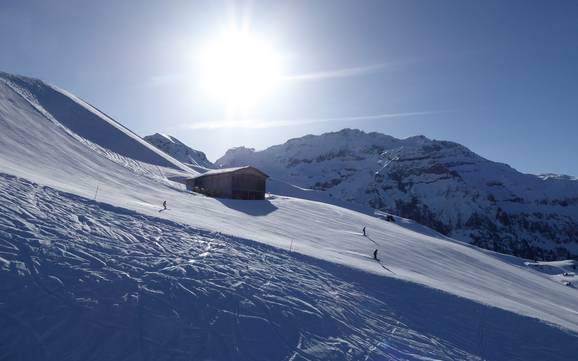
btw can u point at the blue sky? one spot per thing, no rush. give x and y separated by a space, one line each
500 77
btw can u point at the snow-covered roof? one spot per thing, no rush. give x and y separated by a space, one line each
227 170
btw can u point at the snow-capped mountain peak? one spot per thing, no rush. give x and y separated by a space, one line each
180 151
441 184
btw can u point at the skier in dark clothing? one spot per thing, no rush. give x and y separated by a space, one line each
165 205
375 255
364 232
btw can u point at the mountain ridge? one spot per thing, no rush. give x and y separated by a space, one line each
441 184
179 150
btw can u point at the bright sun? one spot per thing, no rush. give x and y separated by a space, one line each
240 69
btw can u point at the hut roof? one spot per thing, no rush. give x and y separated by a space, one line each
227 170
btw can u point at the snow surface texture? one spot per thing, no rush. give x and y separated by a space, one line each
180 151
92 267
107 283
437 183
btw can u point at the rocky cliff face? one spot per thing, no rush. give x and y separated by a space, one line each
440 184
180 151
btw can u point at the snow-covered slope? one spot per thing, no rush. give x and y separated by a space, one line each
178 150
82 119
102 273
437 183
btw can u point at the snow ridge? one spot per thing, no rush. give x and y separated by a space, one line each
70 112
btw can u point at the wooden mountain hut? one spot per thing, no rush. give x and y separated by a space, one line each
236 183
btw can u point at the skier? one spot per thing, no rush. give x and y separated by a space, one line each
364 232
375 255
165 205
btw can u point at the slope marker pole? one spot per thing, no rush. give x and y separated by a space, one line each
96 193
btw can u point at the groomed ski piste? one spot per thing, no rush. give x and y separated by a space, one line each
92 268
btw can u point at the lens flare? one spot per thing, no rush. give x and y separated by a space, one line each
240 69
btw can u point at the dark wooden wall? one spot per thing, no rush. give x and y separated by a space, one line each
241 184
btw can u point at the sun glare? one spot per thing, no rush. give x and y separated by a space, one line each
240 69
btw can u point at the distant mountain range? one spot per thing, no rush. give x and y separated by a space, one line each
440 184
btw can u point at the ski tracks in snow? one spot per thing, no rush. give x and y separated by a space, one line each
88 280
